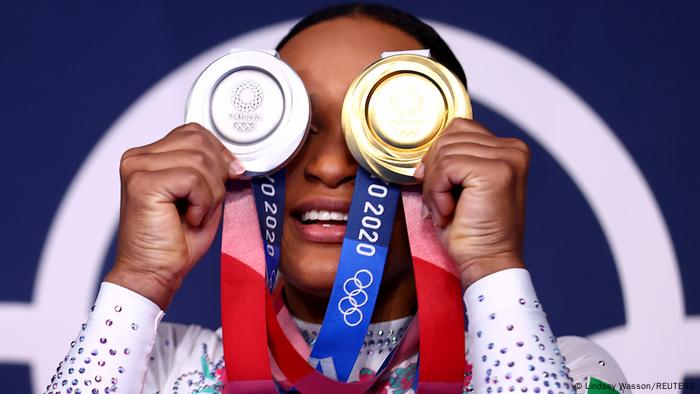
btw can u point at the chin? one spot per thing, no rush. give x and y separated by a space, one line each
312 271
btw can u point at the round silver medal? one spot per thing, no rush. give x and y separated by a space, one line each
256 105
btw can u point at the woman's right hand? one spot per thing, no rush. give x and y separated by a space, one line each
171 198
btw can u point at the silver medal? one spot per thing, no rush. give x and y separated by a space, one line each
256 105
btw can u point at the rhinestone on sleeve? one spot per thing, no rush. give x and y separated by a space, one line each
109 355
514 350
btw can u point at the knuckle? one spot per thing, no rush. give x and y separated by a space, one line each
191 177
504 173
520 145
439 149
187 127
219 192
522 158
128 153
135 180
459 123
199 159
194 125
443 164
126 163
197 138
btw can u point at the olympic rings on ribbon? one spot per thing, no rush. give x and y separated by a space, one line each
349 306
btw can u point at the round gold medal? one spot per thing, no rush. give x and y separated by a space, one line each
396 109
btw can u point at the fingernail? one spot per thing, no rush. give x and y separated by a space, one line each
425 211
418 174
435 221
236 167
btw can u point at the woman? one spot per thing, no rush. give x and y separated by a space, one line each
171 207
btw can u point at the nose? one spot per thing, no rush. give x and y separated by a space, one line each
332 164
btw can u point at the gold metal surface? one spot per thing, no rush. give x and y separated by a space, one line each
396 109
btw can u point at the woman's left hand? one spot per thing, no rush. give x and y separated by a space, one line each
474 190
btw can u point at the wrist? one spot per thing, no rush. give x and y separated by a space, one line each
152 287
480 267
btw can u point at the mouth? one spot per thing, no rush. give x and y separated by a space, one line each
324 218
323 221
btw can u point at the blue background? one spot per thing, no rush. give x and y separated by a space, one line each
67 71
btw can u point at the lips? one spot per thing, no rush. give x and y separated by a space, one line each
321 220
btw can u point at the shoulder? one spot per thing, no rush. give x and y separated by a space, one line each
586 359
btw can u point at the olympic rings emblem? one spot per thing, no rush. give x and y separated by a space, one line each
349 306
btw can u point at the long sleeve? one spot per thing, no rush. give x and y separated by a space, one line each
124 348
112 350
512 348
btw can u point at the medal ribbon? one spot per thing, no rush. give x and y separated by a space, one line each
357 281
251 325
269 197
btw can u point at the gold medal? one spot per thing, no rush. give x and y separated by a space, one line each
396 109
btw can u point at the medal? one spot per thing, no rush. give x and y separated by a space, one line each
393 112
396 109
256 105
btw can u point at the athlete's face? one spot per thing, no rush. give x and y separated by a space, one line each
328 57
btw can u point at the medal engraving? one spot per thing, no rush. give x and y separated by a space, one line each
406 111
247 96
396 109
256 105
246 106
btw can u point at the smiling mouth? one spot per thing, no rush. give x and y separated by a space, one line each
322 225
324 218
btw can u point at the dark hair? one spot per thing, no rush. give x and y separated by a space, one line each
426 35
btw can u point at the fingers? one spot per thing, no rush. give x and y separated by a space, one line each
467 155
173 184
443 180
190 152
192 136
467 130
215 174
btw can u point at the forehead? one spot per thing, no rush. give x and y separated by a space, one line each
329 55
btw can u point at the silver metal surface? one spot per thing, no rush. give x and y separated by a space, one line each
256 105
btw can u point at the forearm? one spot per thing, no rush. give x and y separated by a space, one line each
113 348
512 348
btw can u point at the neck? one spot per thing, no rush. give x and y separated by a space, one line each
396 299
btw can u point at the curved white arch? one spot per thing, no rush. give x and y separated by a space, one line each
501 79
651 344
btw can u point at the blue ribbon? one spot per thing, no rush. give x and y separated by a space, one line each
359 276
269 202
357 282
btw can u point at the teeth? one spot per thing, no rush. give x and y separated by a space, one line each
336 216
324 215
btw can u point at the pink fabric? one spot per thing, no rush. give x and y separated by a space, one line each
292 331
239 213
256 386
421 233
